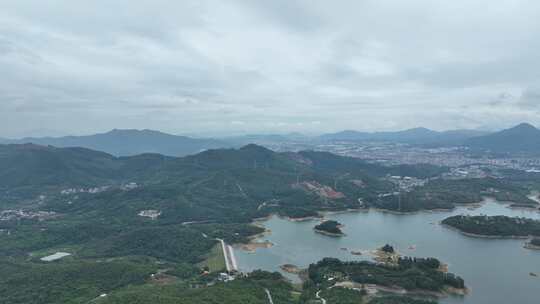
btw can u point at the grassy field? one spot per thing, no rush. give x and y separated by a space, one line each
215 260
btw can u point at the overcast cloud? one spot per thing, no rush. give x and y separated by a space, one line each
220 67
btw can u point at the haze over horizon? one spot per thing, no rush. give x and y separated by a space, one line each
212 68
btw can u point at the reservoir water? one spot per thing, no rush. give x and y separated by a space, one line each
496 270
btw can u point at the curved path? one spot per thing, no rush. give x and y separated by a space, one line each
319 297
269 296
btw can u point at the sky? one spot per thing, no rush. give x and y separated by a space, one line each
232 67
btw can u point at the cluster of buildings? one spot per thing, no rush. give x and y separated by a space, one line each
92 190
396 153
407 183
95 190
152 214
7 215
472 171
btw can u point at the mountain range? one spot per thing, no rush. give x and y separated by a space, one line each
130 142
419 136
524 138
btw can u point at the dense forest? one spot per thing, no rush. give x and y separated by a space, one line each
445 194
330 227
497 226
410 274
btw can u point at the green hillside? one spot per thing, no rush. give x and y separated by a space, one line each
152 214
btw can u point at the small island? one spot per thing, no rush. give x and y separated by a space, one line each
330 228
494 226
533 244
290 268
386 254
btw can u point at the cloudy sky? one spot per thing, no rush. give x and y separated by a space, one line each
230 67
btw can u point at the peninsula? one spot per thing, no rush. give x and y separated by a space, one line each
421 276
494 226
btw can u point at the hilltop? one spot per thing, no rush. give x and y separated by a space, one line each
523 138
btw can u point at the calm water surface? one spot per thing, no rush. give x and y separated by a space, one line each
496 270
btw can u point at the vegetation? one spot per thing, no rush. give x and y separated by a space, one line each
215 260
409 274
341 296
330 227
445 194
249 290
388 249
498 226
68 281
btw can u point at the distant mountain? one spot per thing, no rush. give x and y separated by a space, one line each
131 142
411 136
346 135
267 138
523 138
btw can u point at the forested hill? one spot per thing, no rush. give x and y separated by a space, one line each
222 184
35 166
236 183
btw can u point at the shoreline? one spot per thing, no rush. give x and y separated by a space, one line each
322 214
486 236
292 269
260 222
447 291
530 246
329 233
253 246
254 242
348 210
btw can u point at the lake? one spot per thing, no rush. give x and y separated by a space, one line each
496 270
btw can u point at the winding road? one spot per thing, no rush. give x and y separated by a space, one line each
319 297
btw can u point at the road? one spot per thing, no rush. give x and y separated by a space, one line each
269 296
319 297
228 253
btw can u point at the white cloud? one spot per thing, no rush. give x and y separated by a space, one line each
203 66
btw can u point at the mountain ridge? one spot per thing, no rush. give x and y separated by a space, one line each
128 142
418 135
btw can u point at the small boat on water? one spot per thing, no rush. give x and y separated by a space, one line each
356 252
532 274
412 247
